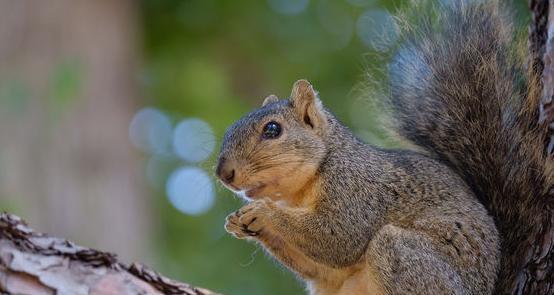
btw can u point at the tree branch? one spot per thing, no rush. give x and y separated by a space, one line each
34 263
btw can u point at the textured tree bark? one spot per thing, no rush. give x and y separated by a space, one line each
35 264
537 275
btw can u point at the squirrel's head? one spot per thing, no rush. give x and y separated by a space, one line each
275 151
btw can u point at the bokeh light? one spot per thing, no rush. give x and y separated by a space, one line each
337 22
190 190
377 29
289 7
150 130
193 140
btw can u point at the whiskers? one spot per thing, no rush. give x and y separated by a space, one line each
252 258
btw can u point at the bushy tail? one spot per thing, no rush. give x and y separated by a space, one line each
459 91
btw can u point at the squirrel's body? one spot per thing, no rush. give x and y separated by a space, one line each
353 219
374 206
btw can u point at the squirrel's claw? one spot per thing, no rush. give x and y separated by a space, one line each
233 226
248 221
251 223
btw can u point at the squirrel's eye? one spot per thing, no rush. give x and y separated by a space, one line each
271 130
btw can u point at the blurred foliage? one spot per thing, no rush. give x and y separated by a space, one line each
216 60
14 95
65 83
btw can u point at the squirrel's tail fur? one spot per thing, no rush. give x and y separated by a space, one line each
459 91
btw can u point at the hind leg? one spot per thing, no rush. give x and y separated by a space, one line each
408 264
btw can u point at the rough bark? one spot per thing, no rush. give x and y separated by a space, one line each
537 275
540 57
35 264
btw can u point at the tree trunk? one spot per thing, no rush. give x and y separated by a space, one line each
35 264
537 275
68 90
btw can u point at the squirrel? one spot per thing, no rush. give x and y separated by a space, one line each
350 218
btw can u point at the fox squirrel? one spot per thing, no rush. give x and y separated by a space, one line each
349 218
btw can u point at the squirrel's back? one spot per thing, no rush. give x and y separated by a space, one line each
458 91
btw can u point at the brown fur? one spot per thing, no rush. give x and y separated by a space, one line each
349 218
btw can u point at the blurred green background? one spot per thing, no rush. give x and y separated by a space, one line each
112 112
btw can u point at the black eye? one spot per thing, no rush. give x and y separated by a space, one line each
271 130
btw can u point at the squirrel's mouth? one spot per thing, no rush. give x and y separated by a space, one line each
252 193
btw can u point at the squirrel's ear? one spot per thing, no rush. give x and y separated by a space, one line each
307 105
270 99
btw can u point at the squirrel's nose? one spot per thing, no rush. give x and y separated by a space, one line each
225 172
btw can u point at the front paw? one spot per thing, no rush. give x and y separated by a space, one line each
250 220
233 226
